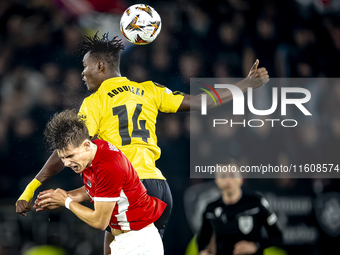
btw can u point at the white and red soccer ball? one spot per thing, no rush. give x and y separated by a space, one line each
140 24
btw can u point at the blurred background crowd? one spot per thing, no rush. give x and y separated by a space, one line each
40 75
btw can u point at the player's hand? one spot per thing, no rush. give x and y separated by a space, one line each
38 200
52 199
257 76
244 247
22 207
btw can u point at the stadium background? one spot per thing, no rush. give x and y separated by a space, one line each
39 76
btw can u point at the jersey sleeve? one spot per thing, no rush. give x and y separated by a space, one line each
90 114
109 183
167 100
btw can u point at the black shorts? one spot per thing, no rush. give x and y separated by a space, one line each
161 190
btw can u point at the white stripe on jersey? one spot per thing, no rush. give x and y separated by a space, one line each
106 199
123 205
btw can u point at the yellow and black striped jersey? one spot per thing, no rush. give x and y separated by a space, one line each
124 113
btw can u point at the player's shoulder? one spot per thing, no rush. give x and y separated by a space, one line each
108 154
148 85
108 148
108 167
91 98
159 88
104 148
151 85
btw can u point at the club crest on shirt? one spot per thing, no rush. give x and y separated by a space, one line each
89 183
82 116
245 224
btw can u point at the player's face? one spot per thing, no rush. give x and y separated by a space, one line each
90 73
75 158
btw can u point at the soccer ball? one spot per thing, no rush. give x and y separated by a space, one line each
140 24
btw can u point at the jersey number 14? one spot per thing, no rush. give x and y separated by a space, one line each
123 120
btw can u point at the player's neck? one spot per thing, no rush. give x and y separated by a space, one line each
113 74
230 198
108 75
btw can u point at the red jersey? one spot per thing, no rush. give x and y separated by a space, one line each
112 178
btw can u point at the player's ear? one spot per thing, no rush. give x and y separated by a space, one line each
87 145
100 66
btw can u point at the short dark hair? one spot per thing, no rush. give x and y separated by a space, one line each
65 129
102 49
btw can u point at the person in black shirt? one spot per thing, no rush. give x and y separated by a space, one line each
233 224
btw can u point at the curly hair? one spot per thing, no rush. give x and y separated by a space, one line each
102 49
65 130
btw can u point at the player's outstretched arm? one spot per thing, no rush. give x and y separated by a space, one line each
255 79
52 166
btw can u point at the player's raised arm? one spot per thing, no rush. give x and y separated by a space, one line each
255 79
52 166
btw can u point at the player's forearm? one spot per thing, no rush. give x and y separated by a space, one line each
28 193
52 166
78 195
88 216
255 79
224 94
84 213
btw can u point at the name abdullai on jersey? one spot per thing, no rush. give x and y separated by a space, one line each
133 90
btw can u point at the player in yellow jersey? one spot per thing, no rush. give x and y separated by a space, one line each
124 113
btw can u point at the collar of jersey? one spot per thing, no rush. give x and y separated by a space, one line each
115 80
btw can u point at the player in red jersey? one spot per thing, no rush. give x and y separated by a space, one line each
110 182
